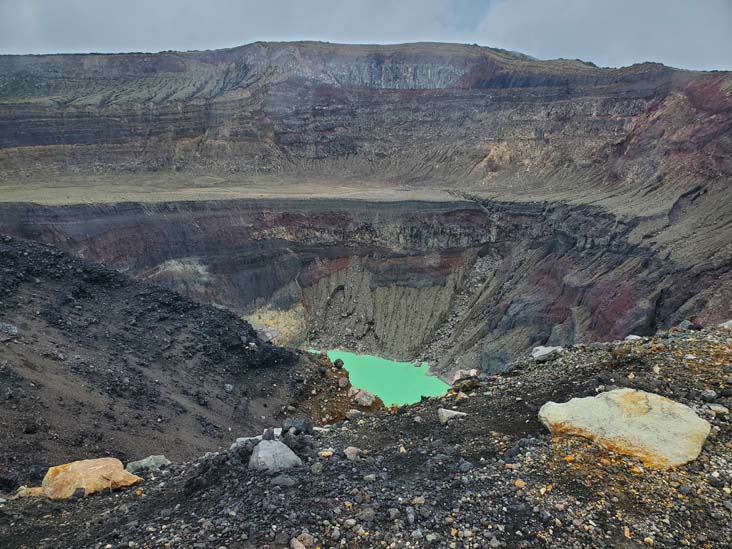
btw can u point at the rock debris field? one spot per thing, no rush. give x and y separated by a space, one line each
415 476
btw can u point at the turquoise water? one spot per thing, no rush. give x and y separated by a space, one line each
393 382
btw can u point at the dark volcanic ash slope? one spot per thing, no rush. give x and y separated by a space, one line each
102 365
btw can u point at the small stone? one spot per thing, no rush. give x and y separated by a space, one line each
545 354
459 375
709 395
519 483
9 329
364 398
245 441
352 453
446 415
306 539
228 387
150 462
367 514
316 468
26 492
718 408
299 425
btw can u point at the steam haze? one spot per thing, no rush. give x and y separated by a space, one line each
694 34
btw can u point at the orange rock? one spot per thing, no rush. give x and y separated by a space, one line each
90 475
26 492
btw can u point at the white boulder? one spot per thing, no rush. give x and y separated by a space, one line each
659 431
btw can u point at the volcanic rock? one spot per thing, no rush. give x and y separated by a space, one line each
659 431
459 375
273 456
150 462
244 441
351 453
300 425
446 415
363 398
87 476
544 354
8 329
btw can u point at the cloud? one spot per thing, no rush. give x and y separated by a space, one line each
685 33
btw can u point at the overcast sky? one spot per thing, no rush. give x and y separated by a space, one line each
683 33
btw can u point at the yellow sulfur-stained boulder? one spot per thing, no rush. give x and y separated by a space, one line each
659 431
89 475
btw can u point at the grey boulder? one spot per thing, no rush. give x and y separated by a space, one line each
273 456
150 462
544 354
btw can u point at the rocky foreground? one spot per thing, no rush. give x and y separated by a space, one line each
489 476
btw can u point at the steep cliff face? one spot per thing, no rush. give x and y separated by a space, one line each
459 284
379 276
588 203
